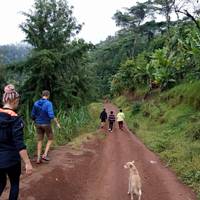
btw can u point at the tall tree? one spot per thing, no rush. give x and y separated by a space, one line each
190 9
133 16
163 7
50 25
57 62
131 20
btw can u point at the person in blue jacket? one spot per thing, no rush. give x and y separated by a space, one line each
42 114
12 145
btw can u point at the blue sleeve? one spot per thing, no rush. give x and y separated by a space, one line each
50 110
17 133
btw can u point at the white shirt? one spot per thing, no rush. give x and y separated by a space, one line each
120 116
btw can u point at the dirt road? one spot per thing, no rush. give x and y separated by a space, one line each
95 172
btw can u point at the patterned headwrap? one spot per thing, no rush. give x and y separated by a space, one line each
9 93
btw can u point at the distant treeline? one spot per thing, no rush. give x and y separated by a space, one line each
14 52
146 51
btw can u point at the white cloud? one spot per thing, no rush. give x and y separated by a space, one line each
96 14
10 18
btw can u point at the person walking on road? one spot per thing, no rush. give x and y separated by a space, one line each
42 114
12 145
103 117
111 119
120 119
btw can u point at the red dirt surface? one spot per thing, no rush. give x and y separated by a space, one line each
95 172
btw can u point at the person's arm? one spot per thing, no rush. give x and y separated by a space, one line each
57 123
51 114
124 115
17 132
24 155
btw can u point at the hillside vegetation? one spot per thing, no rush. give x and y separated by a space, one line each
156 63
168 123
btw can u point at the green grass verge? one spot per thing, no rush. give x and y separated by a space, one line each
171 128
73 123
187 93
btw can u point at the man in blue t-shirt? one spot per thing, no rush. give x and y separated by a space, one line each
42 114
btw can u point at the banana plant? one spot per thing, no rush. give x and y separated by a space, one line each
161 68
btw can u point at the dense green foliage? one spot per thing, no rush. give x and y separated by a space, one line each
177 61
54 60
57 61
144 50
142 53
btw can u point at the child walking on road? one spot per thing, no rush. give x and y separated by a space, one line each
111 120
120 119
103 117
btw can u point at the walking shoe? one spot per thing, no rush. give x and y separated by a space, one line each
46 158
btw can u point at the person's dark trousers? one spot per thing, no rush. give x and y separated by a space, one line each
120 125
13 174
111 126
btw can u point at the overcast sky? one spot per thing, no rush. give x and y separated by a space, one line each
96 14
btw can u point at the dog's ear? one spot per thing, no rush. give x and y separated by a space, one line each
133 161
125 166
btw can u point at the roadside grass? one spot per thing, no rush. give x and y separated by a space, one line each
77 142
187 93
171 128
74 123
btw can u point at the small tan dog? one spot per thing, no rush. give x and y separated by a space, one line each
134 185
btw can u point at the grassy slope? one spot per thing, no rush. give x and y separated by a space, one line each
169 124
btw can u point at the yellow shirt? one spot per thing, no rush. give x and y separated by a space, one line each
120 116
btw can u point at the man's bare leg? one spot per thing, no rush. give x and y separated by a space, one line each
39 150
48 145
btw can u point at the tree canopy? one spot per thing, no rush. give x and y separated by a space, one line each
58 60
50 25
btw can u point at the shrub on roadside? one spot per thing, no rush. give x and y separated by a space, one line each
194 132
136 107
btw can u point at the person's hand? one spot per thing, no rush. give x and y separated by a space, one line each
58 125
29 168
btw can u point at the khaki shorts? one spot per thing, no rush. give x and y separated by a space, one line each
42 130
